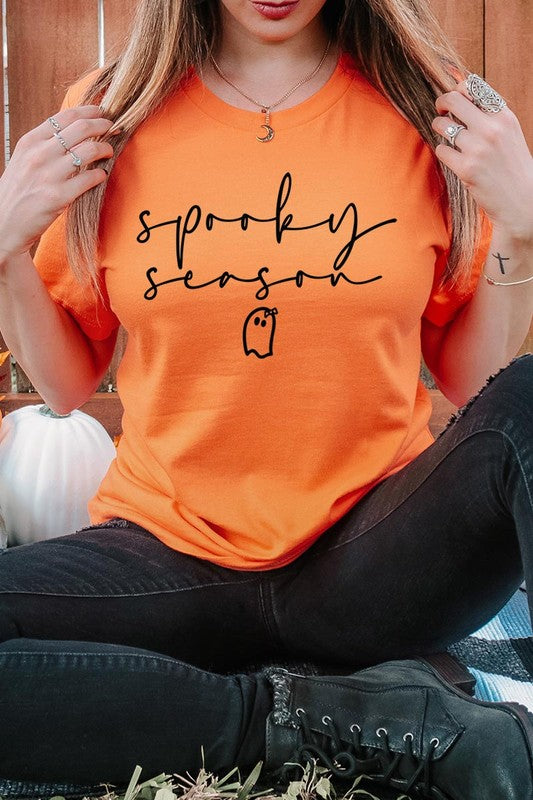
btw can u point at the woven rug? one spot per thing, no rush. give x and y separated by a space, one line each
499 655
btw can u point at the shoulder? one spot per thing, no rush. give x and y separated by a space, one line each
376 101
76 91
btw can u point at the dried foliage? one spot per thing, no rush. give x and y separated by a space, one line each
315 783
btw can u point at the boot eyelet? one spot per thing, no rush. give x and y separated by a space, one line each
382 732
326 720
355 727
435 742
300 711
408 737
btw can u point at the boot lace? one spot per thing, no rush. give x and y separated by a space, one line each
349 758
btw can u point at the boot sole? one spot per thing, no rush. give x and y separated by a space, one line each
452 670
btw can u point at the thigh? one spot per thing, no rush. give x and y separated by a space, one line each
120 584
429 555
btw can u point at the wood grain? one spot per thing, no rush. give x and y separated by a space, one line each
509 66
509 56
51 43
462 21
103 406
118 16
5 372
2 101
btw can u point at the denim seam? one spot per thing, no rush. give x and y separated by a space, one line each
426 477
131 594
171 661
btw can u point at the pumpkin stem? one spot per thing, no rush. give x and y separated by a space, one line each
46 411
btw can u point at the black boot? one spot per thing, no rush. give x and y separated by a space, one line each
404 726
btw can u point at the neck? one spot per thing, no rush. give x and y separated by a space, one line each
242 54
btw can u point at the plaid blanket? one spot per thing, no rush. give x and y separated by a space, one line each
499 655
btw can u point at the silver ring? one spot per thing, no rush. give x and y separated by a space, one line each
62 141
453 131
53 122
76 160
483 95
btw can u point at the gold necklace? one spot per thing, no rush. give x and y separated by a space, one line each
266 108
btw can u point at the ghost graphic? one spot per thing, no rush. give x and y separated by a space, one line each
258 331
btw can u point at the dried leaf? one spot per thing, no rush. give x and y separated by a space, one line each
323 788
130 791
3 357
165 794
250 782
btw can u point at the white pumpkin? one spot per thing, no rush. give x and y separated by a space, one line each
50 467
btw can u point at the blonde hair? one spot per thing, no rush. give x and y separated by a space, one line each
397 44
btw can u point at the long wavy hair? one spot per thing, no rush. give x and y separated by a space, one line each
396 44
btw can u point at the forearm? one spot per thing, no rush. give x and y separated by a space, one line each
489 331
43 338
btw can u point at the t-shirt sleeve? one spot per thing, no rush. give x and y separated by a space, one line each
92 313
445 302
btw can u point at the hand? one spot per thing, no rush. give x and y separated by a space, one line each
41 179
491 158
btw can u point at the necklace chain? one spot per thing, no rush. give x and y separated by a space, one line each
266 108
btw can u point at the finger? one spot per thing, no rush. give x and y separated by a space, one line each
87 152
481 91
80 130
442 125
82 182
64 118
455 160
462 109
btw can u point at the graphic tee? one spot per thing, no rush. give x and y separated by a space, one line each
276 298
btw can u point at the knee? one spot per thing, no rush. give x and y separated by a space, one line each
518 373
509 391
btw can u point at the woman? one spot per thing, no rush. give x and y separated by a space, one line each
277 237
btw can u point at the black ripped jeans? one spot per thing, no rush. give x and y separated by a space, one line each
116 650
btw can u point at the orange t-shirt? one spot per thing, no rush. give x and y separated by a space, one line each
275 297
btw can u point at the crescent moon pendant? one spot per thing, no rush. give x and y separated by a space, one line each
269 134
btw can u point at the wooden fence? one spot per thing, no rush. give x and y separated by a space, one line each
51 42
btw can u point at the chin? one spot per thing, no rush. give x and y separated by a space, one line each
274 20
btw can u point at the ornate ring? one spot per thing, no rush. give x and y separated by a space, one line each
76 160
483 95
453 131
53 122
62 141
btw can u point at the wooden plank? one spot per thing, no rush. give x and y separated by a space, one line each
2 100
509 66
463 23
103 406
48 47
509 56
5 372
118 16
107 408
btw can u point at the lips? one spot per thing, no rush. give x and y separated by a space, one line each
275 10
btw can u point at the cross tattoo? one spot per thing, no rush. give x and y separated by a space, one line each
501 259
